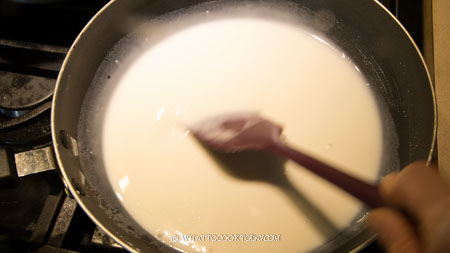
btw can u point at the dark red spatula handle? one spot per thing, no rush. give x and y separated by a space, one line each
366 192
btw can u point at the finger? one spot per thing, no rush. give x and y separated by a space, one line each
394 231
416 189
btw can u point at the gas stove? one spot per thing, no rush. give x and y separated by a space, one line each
38 213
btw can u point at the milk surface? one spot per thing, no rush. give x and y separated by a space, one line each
178 191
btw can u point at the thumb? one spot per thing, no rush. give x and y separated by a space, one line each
395 233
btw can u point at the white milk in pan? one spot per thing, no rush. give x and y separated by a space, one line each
177 191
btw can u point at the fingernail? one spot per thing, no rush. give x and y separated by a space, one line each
387 184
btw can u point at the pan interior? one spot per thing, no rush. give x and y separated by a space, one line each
375 43
151 33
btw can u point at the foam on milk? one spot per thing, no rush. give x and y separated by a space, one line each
174 188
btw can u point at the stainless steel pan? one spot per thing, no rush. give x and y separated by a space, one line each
364 29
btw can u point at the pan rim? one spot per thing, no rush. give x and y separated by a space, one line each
75 193
66 180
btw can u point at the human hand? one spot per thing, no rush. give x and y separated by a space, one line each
417 218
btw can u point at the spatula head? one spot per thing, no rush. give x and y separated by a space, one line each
236 132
